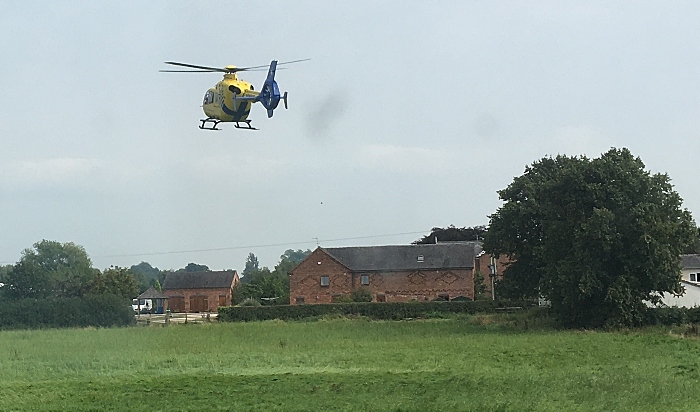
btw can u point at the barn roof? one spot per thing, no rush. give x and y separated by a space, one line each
199 280
453 255
690 261
152 293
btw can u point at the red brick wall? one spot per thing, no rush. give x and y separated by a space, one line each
482 265
423 285
211 294
305 282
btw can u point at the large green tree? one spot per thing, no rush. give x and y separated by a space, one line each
694 248
50 268
251 265
115 281
266 286
194 267
289 260
452 234
597 237
4 271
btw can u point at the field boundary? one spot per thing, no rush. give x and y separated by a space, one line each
374 310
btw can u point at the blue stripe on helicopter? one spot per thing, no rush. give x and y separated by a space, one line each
239 113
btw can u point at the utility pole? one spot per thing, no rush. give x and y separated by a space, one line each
492 274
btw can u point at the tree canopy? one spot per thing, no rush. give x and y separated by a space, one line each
194 267
452 234
265 286
115 281
251 265
597 237
50 268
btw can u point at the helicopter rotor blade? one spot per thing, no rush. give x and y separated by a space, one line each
265 66
294 61
207 69
193 66
188 71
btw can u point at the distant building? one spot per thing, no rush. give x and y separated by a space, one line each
690 268
199 291
442 271
690 280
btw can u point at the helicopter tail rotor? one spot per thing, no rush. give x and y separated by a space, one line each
270 93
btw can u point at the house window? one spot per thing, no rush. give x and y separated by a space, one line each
325 281
420 258
364 280
693 277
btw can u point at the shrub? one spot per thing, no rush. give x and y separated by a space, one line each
250 302
671 316
89 310
384 310
342 299
361 295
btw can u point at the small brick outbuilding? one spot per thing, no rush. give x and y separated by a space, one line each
199 291
390 273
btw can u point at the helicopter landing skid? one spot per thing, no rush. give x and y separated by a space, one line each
203 126
246 127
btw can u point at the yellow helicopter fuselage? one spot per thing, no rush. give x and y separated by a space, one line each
221 104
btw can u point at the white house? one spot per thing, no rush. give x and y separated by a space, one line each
690 268
690 279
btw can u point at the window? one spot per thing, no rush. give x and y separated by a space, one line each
693 277
209 97
364 280
325 281
299 300
420 258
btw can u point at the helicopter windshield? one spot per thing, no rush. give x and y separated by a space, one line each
209 97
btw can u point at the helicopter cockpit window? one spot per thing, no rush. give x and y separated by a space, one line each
209 97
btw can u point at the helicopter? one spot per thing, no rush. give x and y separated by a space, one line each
231 99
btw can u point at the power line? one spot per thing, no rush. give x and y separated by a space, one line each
218 249
314 240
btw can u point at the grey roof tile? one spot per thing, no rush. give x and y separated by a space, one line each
199 280
690 261
152 293
452 255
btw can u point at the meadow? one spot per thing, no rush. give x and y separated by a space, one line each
461 363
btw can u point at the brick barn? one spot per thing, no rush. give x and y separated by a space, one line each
199 291
390 273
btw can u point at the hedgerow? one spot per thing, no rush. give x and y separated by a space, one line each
672 316
89 310
374 310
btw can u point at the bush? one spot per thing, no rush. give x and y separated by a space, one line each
362 295
384 310
342 299
89 310
671 316
249 302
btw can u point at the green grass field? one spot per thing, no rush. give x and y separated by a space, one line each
420 365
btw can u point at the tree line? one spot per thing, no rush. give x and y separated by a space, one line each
54 270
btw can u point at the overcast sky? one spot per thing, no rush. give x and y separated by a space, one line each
409 115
